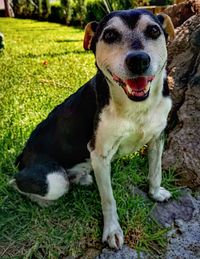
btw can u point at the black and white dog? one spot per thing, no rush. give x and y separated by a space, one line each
123 107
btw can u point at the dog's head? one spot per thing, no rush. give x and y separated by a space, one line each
130 48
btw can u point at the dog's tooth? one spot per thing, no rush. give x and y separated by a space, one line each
129 89
147 88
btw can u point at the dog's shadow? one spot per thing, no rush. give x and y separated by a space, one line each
52 55
68 40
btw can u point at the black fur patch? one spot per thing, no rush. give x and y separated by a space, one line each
165 90
33 180
161 20
103 98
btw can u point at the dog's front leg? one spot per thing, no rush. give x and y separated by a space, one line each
155 149
112 232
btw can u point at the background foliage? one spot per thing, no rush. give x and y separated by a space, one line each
76 12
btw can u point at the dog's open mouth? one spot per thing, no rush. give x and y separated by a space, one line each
137 89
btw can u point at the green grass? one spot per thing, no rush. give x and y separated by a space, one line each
41 65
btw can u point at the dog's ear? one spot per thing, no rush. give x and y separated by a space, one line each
90 30
167 24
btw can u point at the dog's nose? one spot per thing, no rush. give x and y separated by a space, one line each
138 62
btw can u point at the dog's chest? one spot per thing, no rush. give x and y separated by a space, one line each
136 133
135 136
121 135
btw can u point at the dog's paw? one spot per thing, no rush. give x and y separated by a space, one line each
161 194
113 235
86 180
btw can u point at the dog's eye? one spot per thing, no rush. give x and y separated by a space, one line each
153 31
111 36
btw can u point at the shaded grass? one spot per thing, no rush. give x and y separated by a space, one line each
43 64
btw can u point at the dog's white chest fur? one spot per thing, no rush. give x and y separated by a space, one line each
120 134
137 134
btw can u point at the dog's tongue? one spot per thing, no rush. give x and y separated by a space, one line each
139 83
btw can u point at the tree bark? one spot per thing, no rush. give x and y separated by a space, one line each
183 142
7 8
181 12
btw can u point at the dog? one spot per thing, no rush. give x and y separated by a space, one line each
122 108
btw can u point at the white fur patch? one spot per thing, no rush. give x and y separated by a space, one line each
161 194
83 168
57 186
80 173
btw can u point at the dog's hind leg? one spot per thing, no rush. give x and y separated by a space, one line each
42 183
80 173
155 148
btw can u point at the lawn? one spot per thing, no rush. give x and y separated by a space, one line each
42 64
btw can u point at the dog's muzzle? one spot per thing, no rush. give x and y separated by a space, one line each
136 88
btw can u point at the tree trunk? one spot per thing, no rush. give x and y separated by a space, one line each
183 142
179 13
7 8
